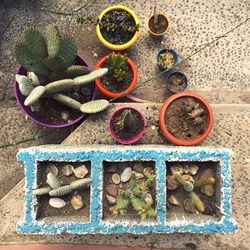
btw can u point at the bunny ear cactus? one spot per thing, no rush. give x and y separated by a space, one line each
31 50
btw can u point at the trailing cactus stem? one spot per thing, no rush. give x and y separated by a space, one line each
82 183
34 95
41 191
188 186
205 181
197 201
77 70
66 100
93 107
61 191
59 86
34 79
25 84
81 80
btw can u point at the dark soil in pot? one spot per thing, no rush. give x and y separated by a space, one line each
176 83
129 132
179 204
118 27
160 26
110 83
45 211
186 118
113 186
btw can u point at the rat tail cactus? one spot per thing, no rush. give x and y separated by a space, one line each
34 79
25 84
34 95
58 86
93 107
77 70
66 100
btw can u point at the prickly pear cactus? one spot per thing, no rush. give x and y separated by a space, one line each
31 50
34 95
81 80
25 84
66 100
77 70
94 106
59 86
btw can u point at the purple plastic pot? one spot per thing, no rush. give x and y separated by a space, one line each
179 74
20 100
135 139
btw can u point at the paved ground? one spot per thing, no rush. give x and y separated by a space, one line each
221 73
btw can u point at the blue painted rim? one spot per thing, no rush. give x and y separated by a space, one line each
176 57
177 73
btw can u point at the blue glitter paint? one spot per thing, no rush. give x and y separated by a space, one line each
156 153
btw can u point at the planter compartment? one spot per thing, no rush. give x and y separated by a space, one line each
101 158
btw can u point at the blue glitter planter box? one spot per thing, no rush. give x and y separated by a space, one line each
97 154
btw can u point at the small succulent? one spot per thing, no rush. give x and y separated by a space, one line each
166 60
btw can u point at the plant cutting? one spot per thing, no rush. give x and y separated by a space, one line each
117 27
176 82
127 125
167 59
158 24
54 85
186 119
122 75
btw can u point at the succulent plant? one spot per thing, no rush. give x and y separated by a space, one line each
34 79
59 86
34 95
77 70
94 106
205 181
61 191
66 100
188 186
197 201
25 84
53 181
41 191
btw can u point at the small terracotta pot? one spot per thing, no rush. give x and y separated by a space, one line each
157 35
173 139
133 140
109 93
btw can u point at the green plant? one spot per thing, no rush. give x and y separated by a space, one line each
134 196
166 60
117 65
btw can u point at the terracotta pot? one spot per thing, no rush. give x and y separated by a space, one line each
137 137
175 140
109 93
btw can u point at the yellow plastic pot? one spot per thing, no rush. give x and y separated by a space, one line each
114 46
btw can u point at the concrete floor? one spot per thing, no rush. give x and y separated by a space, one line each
220 73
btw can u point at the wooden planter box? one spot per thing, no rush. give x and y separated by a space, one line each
97 155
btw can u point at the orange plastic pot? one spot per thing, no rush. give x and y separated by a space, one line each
175 140
131 86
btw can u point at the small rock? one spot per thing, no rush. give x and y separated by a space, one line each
111 200
77 201
65 115
112 189
126 174
111 169
193 169
185 169
176 169
81 171
188 178
208 190
208 173
138 167
147 171
52 169
116 179
172 184
57 202
67 170
189 206
173 200
148 199
53 181
138 176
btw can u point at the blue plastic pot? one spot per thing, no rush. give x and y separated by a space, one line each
170 51
177 73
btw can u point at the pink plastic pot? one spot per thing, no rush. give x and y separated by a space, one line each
137 137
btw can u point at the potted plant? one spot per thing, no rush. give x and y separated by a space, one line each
53 82
166 59
127 125
176 82
158 24
117 27
122 75
186 119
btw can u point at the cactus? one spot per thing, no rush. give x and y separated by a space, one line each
58 86
119 208
66 100
34 79
35 106
61 191
77 70
93 107
197 201
81 80
31 50
205 181
25 84
34 95
188 186
41 191
53 181
82 183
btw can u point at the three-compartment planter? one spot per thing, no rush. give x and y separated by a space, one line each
95 217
